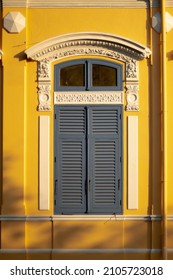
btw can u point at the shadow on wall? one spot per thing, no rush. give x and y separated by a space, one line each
125 237
12 193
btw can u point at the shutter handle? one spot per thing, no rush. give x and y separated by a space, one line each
89 185
56 181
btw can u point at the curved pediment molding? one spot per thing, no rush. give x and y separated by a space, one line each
51 49
0 54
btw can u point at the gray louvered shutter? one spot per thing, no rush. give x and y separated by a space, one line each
70 165
104 159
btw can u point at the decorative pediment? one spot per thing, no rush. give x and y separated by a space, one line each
87 44
57 47
0 54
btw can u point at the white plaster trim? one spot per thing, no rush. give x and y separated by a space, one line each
82 3
126 46
132 162
105 218
15 3
89 97
44 164
0 54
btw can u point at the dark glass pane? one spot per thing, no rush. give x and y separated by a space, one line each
72 76
103 76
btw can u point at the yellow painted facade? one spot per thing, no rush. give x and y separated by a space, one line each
26 232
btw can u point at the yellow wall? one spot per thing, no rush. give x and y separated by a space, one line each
20 136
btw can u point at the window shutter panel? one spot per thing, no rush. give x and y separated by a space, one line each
104 159
70 166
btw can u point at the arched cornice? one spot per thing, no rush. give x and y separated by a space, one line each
88 44
52 48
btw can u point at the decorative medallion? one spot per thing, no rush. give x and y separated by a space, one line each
132 98
14 22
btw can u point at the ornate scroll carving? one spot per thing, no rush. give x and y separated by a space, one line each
88 97
131 70
132 98
44 70
44 85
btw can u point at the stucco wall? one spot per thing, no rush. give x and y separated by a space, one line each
20 189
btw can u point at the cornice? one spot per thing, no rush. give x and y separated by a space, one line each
15 3
83 3
0 54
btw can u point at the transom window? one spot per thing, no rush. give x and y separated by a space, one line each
88 75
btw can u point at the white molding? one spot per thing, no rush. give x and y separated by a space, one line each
44 164
0 54
132 162
105 218
82 3
15 3
89 97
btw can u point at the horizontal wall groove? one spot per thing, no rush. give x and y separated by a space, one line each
124 250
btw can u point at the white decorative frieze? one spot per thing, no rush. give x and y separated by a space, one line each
132 98
83 97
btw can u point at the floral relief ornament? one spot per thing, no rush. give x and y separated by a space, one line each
44 70
132 98
44 97
93 97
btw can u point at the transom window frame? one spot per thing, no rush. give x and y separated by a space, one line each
88 63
